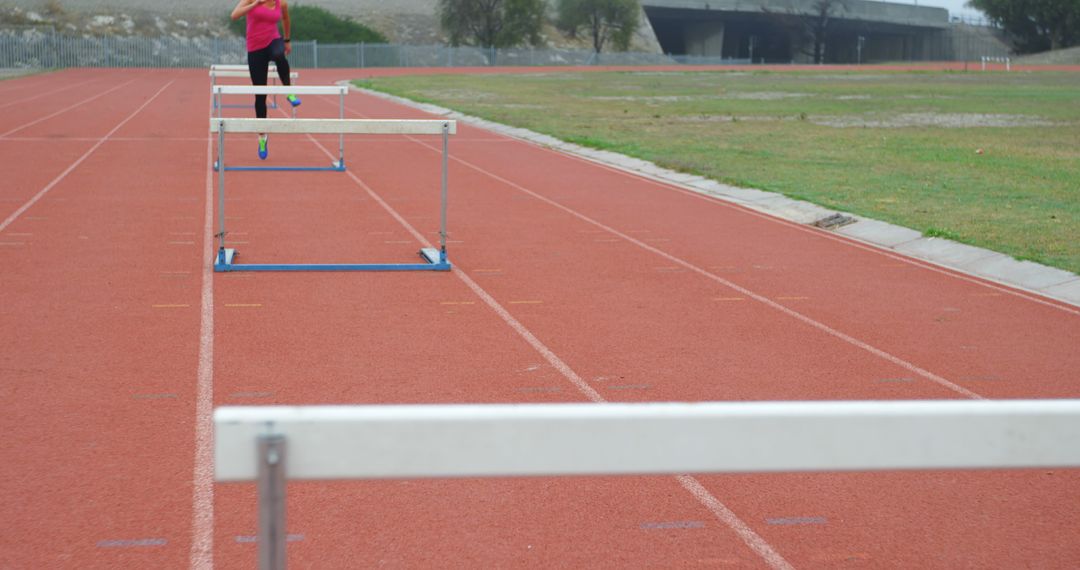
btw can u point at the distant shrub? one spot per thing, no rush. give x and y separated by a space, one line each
314 23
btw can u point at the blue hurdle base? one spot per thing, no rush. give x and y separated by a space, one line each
436 261
336 166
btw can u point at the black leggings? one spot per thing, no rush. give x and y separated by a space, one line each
259 68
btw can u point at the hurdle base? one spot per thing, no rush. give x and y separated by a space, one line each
335 166
436 261
224 260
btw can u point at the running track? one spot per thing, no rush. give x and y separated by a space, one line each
572 282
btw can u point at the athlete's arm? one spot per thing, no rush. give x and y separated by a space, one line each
243 7
286 26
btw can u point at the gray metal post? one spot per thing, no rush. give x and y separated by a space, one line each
341 136
445 168
271 487
221 186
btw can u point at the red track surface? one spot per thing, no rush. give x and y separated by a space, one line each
572 281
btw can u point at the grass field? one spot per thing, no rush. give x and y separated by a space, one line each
989 159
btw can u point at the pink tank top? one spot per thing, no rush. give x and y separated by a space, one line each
262 26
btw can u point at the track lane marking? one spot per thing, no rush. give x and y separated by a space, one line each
846 240
754 541
46 94
729 284
66 109
37 197
201 555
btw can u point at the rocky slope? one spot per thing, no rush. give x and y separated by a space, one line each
403 21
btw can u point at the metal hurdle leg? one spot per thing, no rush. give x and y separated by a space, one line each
430 254
445 190
272 538
224 256
341 137
274 79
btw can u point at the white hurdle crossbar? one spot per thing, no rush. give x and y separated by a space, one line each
435 259
340 90
375 442
237 67
237 71
214 74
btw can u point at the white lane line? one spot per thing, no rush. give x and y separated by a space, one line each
731 285
66 109
945 270
37 80
851 242
202 528
720 511
725 515
11 219
114 139
46 94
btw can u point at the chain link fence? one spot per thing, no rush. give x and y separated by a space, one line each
45 49
37 48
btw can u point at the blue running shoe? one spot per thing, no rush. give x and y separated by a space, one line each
293 100
263 152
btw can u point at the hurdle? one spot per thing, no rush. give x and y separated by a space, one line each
340 90
237 71
236 67
272 444
433 259
988 59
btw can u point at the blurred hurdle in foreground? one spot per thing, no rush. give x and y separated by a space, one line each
340 90
272 444
223 71
432 259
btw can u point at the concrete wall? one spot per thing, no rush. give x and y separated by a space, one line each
878 12
705 38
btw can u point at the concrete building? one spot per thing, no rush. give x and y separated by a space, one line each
783 31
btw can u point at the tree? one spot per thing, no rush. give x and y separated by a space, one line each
601 20
1035 25
314 23
811 29
492 23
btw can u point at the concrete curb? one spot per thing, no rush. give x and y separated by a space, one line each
983 263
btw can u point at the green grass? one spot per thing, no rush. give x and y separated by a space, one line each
896 146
